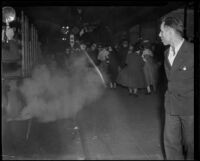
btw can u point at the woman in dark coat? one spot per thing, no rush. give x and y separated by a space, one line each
150 67
93 53
113 65
123 51
132 76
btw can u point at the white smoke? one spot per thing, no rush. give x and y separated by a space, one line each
53 93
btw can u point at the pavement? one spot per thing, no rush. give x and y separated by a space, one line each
116 126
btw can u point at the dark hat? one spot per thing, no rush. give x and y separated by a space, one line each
137 46
146 43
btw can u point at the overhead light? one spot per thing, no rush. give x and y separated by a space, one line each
9 15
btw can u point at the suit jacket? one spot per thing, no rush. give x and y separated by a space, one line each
179 97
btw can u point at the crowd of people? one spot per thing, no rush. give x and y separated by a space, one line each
129 65
135 66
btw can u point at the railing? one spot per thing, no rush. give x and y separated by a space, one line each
29 44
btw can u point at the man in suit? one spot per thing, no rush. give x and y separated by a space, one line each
179 97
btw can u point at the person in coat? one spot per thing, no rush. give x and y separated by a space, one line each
103 66
93 53
150 67
123 51
113 65
179 97
132 76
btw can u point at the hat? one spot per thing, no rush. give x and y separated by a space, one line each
146 43
137 46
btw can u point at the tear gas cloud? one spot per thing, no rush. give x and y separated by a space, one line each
55 93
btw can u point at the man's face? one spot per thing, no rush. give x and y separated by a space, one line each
165 34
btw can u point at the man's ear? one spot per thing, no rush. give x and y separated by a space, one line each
171 31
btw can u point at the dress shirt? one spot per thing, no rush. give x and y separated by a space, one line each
173 52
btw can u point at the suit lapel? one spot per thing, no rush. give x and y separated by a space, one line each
167 63
179 57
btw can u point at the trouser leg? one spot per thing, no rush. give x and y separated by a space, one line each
172 138
188 136
148 89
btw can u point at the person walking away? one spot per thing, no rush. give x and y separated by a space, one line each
113 65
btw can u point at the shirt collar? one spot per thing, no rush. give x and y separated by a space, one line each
177 47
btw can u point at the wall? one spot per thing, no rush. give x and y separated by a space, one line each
134 34
148 31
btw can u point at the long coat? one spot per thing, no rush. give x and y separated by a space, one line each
150 68
123 55
113 65
132 75
93 55
179 97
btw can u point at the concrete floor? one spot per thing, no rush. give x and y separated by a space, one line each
117 126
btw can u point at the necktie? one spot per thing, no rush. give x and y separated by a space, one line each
173 51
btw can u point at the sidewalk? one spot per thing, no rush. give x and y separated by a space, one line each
118 126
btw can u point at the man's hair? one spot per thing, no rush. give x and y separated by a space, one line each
174 23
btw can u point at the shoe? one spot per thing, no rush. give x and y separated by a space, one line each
147 93
135 94
130 91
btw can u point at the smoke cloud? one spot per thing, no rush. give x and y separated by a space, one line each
54 93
